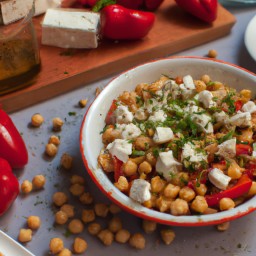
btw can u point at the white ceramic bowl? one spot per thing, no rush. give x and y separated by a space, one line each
93 123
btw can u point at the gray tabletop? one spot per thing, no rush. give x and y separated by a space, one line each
239 239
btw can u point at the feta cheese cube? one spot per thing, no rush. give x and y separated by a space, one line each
121 149
190 154
189 82
158 116
70 28
218 178
140 190
123 115
249 107
152 104
221 117
167 165
241 119
163 135
227 149
205 97
186 93
130 131
204 122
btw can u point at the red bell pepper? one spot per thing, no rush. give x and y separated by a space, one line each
240 188
243 149
238 104
120 23
152 5
12 146
110 117
205 10
9 186
117 168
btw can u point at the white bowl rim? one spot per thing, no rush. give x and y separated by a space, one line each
150 214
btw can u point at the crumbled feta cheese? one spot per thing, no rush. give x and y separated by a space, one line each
167 165
190 154
158 116
152 104
204 122
227 149
205 97
121 149
140 114
131 131
221 117
123 115
218 178
175 91
249 107
163 135
140 190
188 82
241 119
186 93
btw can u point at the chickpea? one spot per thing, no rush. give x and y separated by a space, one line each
252 190
76 226
33 222
68 209
122 184
171 191
51 149
38 181
201 189
226 204
26 187
76 189
76 179
180 179
61 217
200 85
59 198
137 241
179 207
97 91
223 226
88 215
110 135
187 194
54 140
57 124
106 237
246 95
94 228
234 171
80 245
101 209
149 226
114 209
151 158
115 224
56 245
157 184
199 204
122 236
65 252
151 202
163 204
66 161
143 143
212 53
130 168
167 236
145 167
25 235
37 120
106 162
139 88
206 79
82 103
86 198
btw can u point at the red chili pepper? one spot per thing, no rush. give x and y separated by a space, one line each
205 10
240 188
243 149
110 117
12 148
238 104
9 186
117 168
120 23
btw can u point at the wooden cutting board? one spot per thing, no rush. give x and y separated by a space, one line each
64 70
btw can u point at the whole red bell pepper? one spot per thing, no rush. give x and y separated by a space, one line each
120 23
243 149
205 10
9 186
12 146
240 188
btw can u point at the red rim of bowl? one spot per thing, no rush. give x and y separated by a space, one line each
143 215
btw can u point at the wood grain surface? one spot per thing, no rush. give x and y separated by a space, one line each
64 70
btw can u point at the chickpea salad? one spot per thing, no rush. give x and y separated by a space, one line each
182 145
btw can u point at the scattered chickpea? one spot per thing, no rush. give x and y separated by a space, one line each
68 209
76 226
61 217
114 209
86 198
57 124
25 235
137 241
66 161
101 209
56 245
167 236
38 181
106 237
223 226
65 252
80 245
226 204
51 149
212 53
88 215
37 120
26 187
83 103
54 140
59 198
76 189
149 226
115 224
33 222
76 179
97 91
122 236
94 228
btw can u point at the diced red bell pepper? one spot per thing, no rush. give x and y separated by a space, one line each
117 168
243 149
110 118
240 188
238 105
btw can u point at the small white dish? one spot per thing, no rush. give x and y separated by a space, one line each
250 37
9 247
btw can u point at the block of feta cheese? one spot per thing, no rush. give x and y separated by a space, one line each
140 190
227 149
218 178
130 131
241 119
123 115
249 107
13 10
163 135
205 97
70 28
